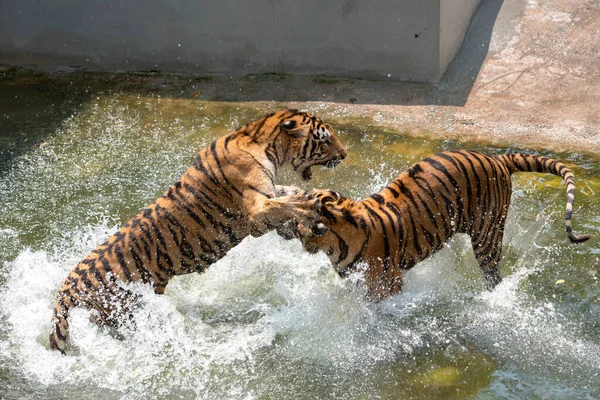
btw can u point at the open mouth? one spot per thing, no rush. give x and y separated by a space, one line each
307 172
333 163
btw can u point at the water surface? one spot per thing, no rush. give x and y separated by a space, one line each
268 320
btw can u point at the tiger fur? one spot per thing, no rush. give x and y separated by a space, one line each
227 194
410 219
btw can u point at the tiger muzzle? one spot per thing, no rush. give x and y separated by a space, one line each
333 163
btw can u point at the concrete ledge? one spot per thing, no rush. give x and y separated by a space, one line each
400 40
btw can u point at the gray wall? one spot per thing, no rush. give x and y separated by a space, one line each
377 39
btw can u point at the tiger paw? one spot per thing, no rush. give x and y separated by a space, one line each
308 238
319 229
306 210
307 202
288 230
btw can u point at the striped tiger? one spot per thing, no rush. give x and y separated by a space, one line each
410 219
227 194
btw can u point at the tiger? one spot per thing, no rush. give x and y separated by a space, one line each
417 213
227 194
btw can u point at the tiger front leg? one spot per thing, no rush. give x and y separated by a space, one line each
266 214
379 283
307 233
287 230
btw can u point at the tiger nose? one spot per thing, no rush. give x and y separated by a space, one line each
343 153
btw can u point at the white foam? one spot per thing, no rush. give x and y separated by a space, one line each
509 323
215 334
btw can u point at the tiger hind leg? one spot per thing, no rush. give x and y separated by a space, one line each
488 253
117 310
59 332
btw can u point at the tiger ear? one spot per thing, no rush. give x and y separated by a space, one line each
330 197
326 196
292 128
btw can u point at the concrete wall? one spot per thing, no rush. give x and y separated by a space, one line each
376 39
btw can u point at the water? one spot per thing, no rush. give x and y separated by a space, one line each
279 323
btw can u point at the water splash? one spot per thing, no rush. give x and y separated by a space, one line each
277 323
511 324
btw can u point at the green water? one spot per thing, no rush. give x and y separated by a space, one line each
269 321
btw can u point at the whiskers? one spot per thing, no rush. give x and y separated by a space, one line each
350 159
335 167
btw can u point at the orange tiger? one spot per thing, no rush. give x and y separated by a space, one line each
410 219
227 194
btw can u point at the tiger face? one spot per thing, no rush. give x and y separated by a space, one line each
339 234
314 142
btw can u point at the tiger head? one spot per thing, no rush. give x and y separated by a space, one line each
340 232
311 142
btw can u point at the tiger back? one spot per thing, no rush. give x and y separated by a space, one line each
227 194
410 219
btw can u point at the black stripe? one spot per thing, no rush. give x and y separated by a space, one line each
182 204
348 217
118 252
331 218
432 218
538 165
386 242
349 268
268 195
414 170
139 265
265 170
460 198
199 166
394 192
271 154
147 240
343 246
165 255
486 200
477 194
234 240
204 188
378 198
228 138
210 203
400 228
260 124
159 237
526 159
390 219
213 150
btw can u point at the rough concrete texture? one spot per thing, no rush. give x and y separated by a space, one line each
532 79
395 40
539 83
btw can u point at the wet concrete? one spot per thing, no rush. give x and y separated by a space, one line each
527 73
